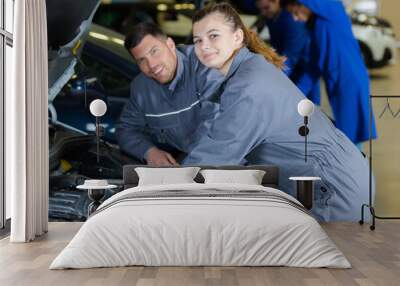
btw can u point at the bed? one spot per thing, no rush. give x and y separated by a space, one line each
201 224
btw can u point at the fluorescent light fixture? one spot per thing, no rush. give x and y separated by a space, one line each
162 7
99 36
188 6
118 41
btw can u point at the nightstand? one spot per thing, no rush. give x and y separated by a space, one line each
305 190
96 191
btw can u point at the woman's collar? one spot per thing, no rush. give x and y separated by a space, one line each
238 58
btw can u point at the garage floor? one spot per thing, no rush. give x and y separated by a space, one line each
386 149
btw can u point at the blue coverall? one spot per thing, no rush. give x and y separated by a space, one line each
336 56
258 121
292 39
167 115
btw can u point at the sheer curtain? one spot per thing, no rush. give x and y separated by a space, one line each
27 143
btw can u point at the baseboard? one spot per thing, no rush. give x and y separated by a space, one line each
5 231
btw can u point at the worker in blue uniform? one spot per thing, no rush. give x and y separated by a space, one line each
166 102
258 119
289 38
336 56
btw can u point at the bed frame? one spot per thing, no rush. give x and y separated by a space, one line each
270 179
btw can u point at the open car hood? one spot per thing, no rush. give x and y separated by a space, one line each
68 23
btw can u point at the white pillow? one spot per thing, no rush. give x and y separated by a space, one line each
248 177
163 176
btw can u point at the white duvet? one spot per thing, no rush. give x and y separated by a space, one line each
183 231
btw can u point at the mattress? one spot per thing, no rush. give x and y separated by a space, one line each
201 225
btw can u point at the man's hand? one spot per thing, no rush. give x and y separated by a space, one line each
158 158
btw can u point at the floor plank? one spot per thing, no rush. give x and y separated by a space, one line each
374 255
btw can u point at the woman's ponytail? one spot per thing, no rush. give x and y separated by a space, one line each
256 45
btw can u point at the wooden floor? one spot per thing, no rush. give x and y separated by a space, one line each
374 255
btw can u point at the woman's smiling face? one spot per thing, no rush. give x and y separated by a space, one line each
215 41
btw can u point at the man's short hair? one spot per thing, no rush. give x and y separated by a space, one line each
285 3
141 30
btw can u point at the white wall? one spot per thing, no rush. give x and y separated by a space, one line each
390 11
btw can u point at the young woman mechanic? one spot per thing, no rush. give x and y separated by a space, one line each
335 55
258 119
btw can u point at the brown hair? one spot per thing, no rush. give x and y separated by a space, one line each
251 39
141 30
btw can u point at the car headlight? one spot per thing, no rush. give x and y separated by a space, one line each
360 19
364 19
372 21
367 20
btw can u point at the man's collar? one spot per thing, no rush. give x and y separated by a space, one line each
179 71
